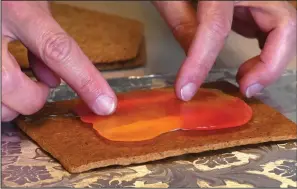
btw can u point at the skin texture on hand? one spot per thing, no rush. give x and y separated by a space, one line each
53 55
202 35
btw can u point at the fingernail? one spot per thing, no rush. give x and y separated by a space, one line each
253 89
104 105
188 91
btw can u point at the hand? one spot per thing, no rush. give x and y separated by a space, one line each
202 36
53 55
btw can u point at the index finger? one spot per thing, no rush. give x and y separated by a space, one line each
40 33
214 25
181 18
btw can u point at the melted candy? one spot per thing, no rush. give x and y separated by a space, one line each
144 115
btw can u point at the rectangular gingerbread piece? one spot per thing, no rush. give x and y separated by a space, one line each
109 41
78 148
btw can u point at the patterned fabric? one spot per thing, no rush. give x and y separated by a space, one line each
24 164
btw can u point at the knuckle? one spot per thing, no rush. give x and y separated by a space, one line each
182 27
219 24
7 116
220 27
55 48
86 85
34 102
11 80
272 72
35 105
202 71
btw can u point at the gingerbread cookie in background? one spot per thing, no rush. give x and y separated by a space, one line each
115 43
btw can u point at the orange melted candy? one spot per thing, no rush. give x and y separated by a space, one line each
144 115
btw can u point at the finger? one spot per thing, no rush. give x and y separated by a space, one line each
19 92
243 23
181 18
215 20
42 72
47 40
262 37
279 48
7 114
244 29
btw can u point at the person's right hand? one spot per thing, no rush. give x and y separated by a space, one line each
53 55
203 33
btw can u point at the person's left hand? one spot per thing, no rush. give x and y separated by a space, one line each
202 36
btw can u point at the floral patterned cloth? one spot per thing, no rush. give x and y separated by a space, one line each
24 164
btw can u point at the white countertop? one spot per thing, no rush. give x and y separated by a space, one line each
164 54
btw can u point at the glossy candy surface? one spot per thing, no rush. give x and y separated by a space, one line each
144 115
